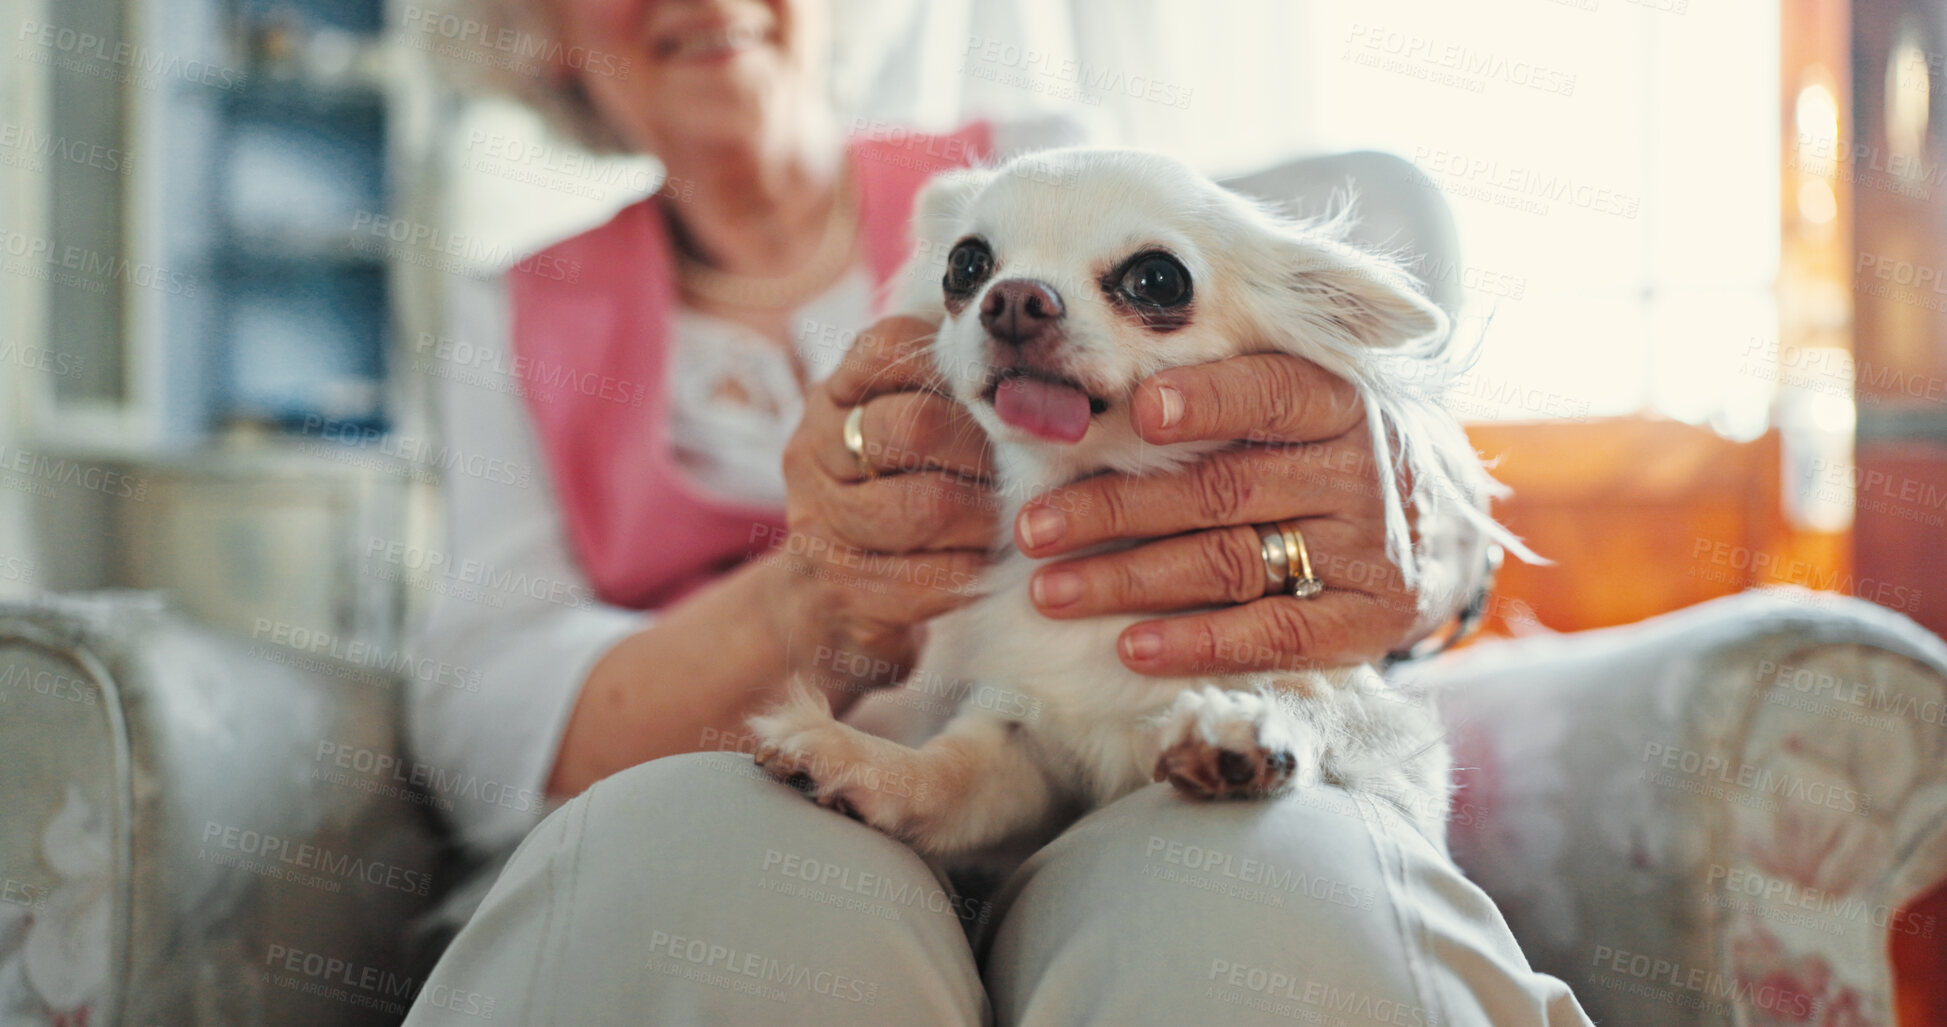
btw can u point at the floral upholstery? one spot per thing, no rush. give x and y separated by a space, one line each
1726 815
175 850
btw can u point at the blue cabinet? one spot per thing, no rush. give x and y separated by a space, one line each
300 154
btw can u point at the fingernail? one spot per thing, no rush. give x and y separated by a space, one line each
1172 401
1040 526
1055 588
1143 644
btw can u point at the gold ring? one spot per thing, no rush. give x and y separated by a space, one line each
1308 585
855 441
1277 558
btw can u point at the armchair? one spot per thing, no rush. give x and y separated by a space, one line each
1732 814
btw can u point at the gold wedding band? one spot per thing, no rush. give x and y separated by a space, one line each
1308 585
855 440
1287 561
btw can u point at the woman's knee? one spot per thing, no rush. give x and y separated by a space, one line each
1315 853
1214 910
716 813
693 889
676 780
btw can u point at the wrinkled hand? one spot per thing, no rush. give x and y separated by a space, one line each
873 556
1312 460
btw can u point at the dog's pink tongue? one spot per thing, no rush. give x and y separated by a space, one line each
1055 412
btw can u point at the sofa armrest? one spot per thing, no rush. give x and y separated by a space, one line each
182 843
1733 813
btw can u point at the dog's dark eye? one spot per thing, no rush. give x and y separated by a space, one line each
1157 280
967 266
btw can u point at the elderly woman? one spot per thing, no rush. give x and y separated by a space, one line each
691 537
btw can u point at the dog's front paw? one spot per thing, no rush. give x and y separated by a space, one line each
800 744
794 741
1232 745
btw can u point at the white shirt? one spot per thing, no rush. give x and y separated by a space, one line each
489 726
731 447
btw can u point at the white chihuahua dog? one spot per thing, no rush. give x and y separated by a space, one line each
1067 280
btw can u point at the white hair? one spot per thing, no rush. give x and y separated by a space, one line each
509 48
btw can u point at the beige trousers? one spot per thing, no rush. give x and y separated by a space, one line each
692 890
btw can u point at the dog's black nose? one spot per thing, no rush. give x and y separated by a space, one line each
1020 310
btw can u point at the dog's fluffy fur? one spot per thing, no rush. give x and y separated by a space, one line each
1074 728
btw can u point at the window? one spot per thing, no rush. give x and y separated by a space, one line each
1613 167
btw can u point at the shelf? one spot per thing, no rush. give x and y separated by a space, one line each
251 255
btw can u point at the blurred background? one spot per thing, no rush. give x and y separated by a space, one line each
1702 244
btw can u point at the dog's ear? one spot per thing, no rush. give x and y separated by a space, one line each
939 220
1351 298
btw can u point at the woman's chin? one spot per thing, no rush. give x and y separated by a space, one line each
723 115
717 125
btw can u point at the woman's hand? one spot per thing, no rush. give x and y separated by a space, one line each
1314 463
873 553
